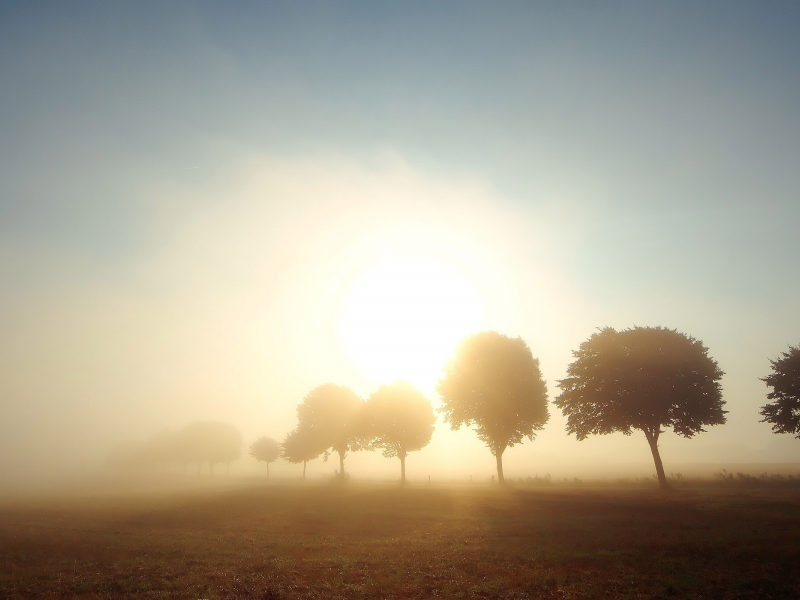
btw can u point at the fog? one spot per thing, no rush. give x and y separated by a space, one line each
186 223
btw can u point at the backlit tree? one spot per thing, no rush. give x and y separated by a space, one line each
400 420
333 416
643 378
494 383
300 447
265 449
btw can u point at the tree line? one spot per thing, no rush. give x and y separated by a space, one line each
199 443
639 379
332 419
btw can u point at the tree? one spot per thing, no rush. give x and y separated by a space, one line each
333 416
400 420
300 447
265 449
198 442
494 382
642 378
210 441
784 411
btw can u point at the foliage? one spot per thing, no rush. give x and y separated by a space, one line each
333 417
400 419
784 411
641 378
300 446
494 382
265 449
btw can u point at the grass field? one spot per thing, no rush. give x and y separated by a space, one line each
378 541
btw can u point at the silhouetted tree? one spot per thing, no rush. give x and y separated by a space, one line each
265 449
494 382
333 416
300 447
784 411
400 420
642 378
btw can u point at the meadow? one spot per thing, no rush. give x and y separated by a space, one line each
371 540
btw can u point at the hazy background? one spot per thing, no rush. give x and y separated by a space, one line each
188 192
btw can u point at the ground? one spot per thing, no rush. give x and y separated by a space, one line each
355 540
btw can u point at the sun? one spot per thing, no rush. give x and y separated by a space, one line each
403 316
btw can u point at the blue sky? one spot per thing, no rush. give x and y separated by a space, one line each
678 118
651 149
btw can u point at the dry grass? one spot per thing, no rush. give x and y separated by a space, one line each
374 541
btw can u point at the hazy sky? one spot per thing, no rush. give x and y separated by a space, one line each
192 196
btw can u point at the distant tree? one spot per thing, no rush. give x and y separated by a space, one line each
400 420
784 411
642 378
162 448
300 447
210 441
265 449
494 382
333 416
197 443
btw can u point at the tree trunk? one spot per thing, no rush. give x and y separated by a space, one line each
341 464
304 469
402 468
652 439
499 456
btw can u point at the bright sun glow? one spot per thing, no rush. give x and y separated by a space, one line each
402 318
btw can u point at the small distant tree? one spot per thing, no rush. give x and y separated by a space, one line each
300 447
495 383
333 416
265 449
642 378
784 410
400 420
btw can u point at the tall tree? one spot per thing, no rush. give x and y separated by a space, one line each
784 410
333 416
400 421
494 382
642 378
300 447
265 449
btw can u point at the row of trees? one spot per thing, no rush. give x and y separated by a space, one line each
198 443
396 419
642 378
